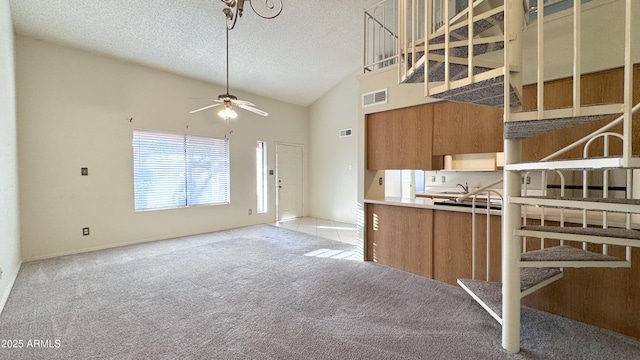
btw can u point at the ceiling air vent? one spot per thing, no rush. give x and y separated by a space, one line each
374 98
345 133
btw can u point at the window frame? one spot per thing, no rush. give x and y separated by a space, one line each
181 165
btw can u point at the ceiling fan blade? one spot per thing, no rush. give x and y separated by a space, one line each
242 102
203 108
253 110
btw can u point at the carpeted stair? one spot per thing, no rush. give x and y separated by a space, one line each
489 293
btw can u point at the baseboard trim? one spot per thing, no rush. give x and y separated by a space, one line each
7 292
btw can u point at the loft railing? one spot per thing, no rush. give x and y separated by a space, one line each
380 35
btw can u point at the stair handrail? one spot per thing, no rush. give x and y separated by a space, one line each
588 137
488 239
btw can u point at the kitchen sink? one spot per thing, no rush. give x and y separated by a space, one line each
480 203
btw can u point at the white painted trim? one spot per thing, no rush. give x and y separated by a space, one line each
576 264
7 292
577 204
593 163
608 109
578 237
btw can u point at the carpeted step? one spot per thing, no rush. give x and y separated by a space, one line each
525 129
489 294
598 204
437 72
612 162
488 92
478 49
611 236
569 256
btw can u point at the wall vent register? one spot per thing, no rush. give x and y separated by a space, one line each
374 98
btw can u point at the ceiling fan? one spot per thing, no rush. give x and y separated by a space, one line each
232 12
228 101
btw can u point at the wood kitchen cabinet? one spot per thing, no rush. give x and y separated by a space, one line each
452 246
466 129
400 237
598 88
400 139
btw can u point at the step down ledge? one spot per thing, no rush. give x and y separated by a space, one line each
600 204
569 256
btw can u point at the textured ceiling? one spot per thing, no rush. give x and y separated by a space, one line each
296 57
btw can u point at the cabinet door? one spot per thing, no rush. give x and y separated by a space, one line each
466 129
400 139
452 248
400 237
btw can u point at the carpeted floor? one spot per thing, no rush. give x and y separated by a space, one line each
251 293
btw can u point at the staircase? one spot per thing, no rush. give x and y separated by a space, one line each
474 56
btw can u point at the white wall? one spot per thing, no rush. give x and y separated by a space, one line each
9 210
73 111
333 161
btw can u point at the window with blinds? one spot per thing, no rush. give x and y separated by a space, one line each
175 170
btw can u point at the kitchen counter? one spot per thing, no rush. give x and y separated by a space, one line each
532 212
427 203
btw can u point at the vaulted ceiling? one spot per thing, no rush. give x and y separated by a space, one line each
296 57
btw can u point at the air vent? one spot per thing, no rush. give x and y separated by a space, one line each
374 98
345 133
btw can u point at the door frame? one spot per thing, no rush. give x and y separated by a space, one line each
304 164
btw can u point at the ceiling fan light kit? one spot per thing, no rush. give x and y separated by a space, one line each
228 112
232 12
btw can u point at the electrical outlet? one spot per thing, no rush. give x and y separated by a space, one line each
380 181
433 179
84 171
85 231
443 179
250 211
528 180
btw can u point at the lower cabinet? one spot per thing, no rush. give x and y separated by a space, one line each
400 237
452 247
432 243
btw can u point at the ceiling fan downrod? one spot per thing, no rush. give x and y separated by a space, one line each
235 8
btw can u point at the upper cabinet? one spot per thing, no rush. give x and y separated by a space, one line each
466 129
400 139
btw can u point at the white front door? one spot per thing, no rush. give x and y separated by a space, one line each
289 170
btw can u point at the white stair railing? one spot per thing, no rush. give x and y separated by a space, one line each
380 35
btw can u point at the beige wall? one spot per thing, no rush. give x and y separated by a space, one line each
333 161
73 111
9 219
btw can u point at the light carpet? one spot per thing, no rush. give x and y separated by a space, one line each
251 293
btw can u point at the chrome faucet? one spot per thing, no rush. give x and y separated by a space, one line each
464 187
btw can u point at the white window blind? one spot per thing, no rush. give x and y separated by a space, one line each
174 170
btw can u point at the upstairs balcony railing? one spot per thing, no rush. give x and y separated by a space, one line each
380 35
